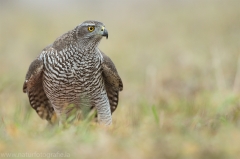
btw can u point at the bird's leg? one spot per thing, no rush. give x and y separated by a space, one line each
103 109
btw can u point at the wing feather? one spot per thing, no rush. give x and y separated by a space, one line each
112 80
34 88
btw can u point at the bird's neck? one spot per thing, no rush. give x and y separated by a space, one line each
88 45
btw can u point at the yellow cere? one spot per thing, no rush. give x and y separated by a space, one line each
102 28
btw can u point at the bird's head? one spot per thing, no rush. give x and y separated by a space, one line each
91 32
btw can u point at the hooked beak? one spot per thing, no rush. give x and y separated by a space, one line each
105 32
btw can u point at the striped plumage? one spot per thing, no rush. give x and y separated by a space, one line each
72 73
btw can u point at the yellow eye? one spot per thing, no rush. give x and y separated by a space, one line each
91 28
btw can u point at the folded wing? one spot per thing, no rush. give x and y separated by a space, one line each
34 88
112 80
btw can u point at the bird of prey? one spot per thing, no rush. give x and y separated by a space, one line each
73 73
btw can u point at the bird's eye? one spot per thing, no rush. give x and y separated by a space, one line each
91 28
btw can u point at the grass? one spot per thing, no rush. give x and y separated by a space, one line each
179 63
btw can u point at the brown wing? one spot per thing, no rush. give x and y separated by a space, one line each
34 88
113 82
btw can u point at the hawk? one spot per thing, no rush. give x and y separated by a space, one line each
73 73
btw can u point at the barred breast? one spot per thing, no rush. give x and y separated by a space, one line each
73 77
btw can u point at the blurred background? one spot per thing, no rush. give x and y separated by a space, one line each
179 62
